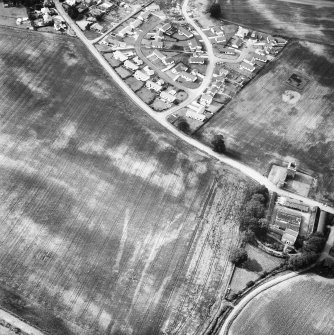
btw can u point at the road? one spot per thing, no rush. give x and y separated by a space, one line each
160 117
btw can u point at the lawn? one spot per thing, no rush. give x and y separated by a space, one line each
265 125
109 224
288 18
301 305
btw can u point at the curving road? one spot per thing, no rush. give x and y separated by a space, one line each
160 117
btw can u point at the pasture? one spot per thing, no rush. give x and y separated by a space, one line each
301 305
302 19
108 223
270 121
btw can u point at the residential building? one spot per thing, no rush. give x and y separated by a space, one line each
83 24
168 60
157 44
281 41
289 236
165 27
196 116
143 16
136 23
119 55
194 45
206 99
223 72
220 39
250 60
153 86
106 5
131 66
97 27
125 31
159 35
212 90
242 32
167 96
188 76
260 58
196 60
185 32
148 71
237 43
196 107
179 68
271 40
247 67
159 54
293 204
137 60
140 75
153 7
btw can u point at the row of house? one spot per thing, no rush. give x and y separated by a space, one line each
216 86
128 30
196 111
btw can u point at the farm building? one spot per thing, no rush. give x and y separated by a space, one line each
167 96
130 65
188 76
194 115
119 55
139 75
293 204
185 32
153 86
196 60
206 99
247 67
237 43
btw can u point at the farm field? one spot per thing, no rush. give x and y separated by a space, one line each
270 121
108 223
310 20
301 305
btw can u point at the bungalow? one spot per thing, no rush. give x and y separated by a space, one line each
194 45
223 72
165 27
206 99
119 55
247 67
130 65
217 30
159 35
137 60
179 68
139 75
185 32
213 90
125 31
97 27
196 116
106 5
256 35
153 7
83 24
168 61
143 16
227 51
167 96
188 76
136 23
148 71
159 54
157 44
82 8
260 51
242 32
220 39
250 60
153 86
196 60
237 43
261 58
281 41
196 107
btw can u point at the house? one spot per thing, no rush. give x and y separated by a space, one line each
213 90
139 75
227 51
153 86
281 41
165 27
160 81
157 44
242 32
196 60
271 40
247 67
137 60
83 24
97 27
293 204
71 2
250 60
119 55
167 96
47 18
148 71
289 236
185 32
106 5
143 16
220 39
135 23
217 30
223 72
179 68
196 116
168 60
130 65
125 31
188 76
82 8
45 10
159 35
237 43
206 99
194 45
196 107
158 54
260 58
153 7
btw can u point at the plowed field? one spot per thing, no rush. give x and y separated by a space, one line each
302 305
106 221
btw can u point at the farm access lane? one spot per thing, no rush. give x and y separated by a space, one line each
160 117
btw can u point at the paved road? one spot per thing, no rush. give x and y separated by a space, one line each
160 117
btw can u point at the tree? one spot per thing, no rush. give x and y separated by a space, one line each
314 244
249 236
183 125
303 260
73 12
215 10
259 197
238 256
218 144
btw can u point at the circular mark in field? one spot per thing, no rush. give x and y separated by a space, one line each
291 97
